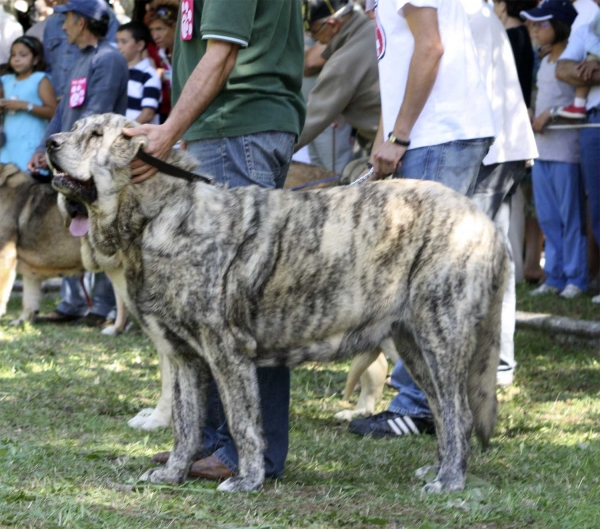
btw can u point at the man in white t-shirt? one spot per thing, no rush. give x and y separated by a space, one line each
586 11
437 119
574 70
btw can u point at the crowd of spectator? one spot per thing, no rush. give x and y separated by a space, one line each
464 92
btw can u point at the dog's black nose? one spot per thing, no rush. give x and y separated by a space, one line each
52 144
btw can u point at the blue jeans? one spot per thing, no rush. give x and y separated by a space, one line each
559 197
589 141
262 159
74 301
455 164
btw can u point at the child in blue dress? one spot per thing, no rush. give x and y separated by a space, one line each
28 101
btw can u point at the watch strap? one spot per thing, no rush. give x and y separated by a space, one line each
397 141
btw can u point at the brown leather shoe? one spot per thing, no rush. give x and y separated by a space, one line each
55 317
210 468
161 457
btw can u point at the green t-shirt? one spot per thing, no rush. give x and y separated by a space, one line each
263 90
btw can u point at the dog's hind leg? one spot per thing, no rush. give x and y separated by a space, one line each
484 365
236 379
447 355
372 369
417 367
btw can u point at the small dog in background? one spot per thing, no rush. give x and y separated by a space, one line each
36 243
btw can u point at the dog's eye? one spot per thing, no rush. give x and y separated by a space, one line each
97 133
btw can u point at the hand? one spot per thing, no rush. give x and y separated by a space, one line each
586 69
386 159
13 104
544 50
38 161
160 143
540 122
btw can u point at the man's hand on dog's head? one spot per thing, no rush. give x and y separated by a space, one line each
160 143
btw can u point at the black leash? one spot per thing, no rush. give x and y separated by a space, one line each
173 170
312 184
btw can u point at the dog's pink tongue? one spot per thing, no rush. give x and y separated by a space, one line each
79 226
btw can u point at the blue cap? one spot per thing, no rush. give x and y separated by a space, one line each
562 10
93 9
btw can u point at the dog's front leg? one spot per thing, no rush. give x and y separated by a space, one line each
235 375
8 272
191 384
32 298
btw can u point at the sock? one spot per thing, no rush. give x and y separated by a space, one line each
580 101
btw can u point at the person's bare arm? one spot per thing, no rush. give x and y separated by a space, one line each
577 73
146 116
48 97
313 60
422 73
205 83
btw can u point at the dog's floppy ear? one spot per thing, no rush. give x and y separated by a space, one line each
7 171
124 149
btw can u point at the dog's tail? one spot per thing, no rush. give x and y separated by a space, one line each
484 365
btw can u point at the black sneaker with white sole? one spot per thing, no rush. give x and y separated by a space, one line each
391 424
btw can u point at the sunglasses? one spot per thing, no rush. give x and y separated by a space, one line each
316 32
541 25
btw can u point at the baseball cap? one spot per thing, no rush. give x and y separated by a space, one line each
562 10
93 9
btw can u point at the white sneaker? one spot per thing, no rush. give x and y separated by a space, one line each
544 289
596 299
505 374
571 291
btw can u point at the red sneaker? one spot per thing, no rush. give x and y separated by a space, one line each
571 112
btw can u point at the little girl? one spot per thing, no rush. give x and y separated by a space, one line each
557 183
28 101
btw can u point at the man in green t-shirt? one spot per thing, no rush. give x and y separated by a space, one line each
237 74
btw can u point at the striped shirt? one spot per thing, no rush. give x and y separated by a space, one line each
143 90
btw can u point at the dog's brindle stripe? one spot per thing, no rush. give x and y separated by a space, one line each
224 280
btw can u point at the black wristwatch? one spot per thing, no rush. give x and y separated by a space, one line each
393 139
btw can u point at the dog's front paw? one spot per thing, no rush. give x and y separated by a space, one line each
444 484
140 418
111 330
422 472
240 484
150 419
18 322
433 487
350 415
163 475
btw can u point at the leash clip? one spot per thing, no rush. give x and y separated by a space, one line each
363 177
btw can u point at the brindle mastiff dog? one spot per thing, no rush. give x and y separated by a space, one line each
225 280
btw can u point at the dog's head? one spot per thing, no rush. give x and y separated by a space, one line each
91 161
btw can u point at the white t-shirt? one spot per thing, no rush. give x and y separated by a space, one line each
458 107
579 42
514 135
586 11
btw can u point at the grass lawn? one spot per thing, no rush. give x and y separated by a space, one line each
68 458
